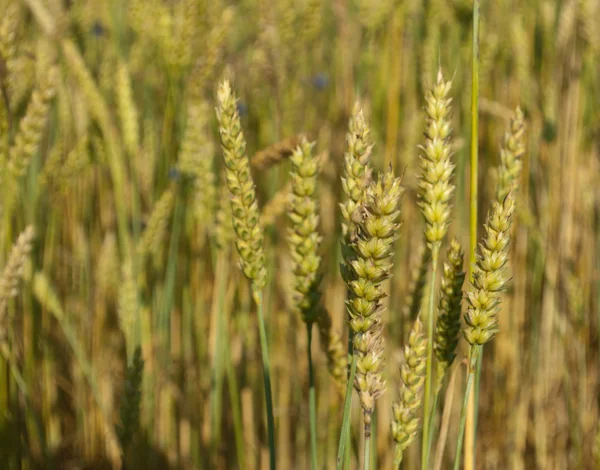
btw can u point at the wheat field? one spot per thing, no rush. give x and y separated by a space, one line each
299 234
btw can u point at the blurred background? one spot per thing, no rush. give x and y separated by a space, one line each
109 150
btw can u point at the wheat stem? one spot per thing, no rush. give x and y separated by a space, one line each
367 461
345 431
474 352
220 346
427 407
470 432
312 402
258 298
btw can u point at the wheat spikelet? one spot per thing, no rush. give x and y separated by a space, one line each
365 275
32 125
406 420
94 99
186 19
246 221
417 285
127 304
8 67
157 225
489 277
224 233
206 67
448 324
275 153
357 171
107 265
128 113
13 271
435 188
511 156
303 235
196 160
59 171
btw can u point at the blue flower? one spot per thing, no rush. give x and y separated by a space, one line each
242 108
97 29
320 81
174 173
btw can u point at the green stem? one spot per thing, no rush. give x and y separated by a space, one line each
367 461
217 379
474 136
474 352
476 399
312 402
344 433
267 379
474 182
429 367
431 420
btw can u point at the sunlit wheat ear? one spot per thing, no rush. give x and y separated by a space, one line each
489 275
357 171
406 419
448 324
130 404
303 234
511 156
366 274
435 186
246 223
31 127
13 271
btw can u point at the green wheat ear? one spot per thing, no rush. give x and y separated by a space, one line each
448 325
